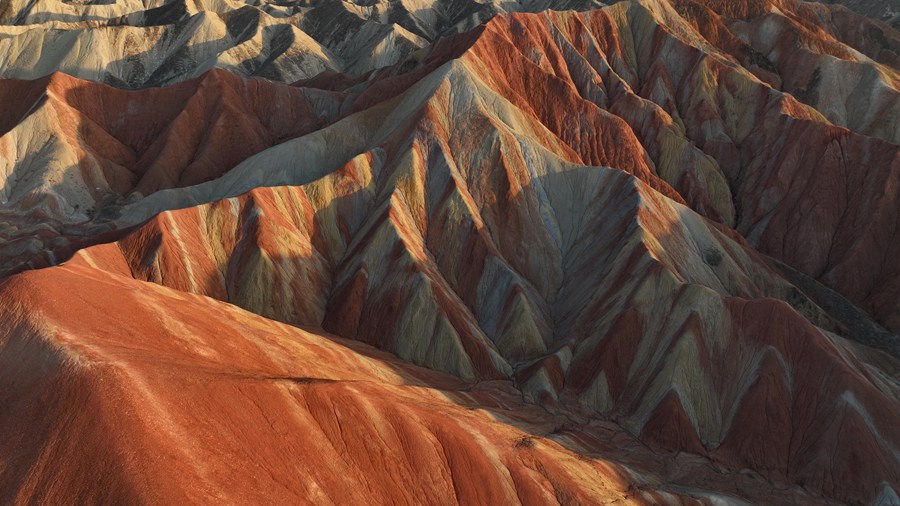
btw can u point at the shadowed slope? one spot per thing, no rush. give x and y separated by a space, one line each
135 56
884 10
588 288
135 43
566 200
74 152
188 399
684 95
635 87
206 387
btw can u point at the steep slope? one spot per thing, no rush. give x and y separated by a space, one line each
731 146
884 10
444 267
213 355
661 226
148 140
378 33
18 12
175 401
136 43
715 116
245 41
72 152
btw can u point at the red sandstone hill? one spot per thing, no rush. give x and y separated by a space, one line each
213 403
644 253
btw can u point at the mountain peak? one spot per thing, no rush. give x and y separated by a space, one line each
446 251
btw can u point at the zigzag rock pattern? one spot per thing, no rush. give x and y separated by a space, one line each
438 252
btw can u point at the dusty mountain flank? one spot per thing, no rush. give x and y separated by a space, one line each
646 252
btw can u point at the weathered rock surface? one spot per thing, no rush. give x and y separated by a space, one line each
884 10
715 107
659 226
137 43
182 399
623 304
150 394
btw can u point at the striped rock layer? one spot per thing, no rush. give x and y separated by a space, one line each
661 226
142 43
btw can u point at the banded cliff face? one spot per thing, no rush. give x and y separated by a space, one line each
624 305
694 101
658 226
73 152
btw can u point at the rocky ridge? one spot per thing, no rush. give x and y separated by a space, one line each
662 226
